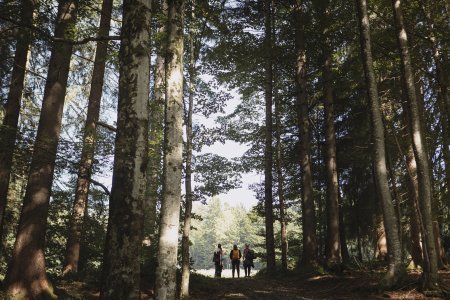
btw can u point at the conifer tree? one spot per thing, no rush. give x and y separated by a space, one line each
26 276
89 141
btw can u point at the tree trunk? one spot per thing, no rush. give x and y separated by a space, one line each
170 209
26 276
309 256
381 251
185 264
430 276
156 133
395 195
89 140
268 152
121 265
280 180
8 130
342 237
393 240
440 57
412 191
333 254
442 260
413 199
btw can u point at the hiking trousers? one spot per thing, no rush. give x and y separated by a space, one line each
218 272
235 266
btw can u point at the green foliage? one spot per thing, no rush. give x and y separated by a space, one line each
209 181
223 224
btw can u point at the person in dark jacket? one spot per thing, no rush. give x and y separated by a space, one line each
218 261
235 256
249 255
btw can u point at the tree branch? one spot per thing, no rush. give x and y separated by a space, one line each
105 189
88 39
59 40
107 126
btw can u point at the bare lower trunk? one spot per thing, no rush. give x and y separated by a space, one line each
381 251
430 276
268 152
185 264
379 156
342 236
121 264
8 129
333 254
280 180
170 209
413 195
26 278
442 261
156 135
89 140
309 256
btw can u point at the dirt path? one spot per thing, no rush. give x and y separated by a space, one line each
357 285
352 286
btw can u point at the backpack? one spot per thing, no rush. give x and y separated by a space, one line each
216 257
235 255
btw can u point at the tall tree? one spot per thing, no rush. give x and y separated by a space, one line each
430 275
413 192
268 151
393 240
8 130
170 208
89 139
333 253
280 180
185 254
156 128
440 57
309 256
121 266
26 277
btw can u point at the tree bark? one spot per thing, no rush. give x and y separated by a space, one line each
185 264
170 209
89 139
342 237
309 256
440 57
156 134
333 254
413 199
121 265
268 152
25 277
280 180
8 130
393 240
430 275
412 191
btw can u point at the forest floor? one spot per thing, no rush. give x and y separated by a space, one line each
350 285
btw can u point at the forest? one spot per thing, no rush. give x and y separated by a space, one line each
108 109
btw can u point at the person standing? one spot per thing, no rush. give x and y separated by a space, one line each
249 255
218 261
235 256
